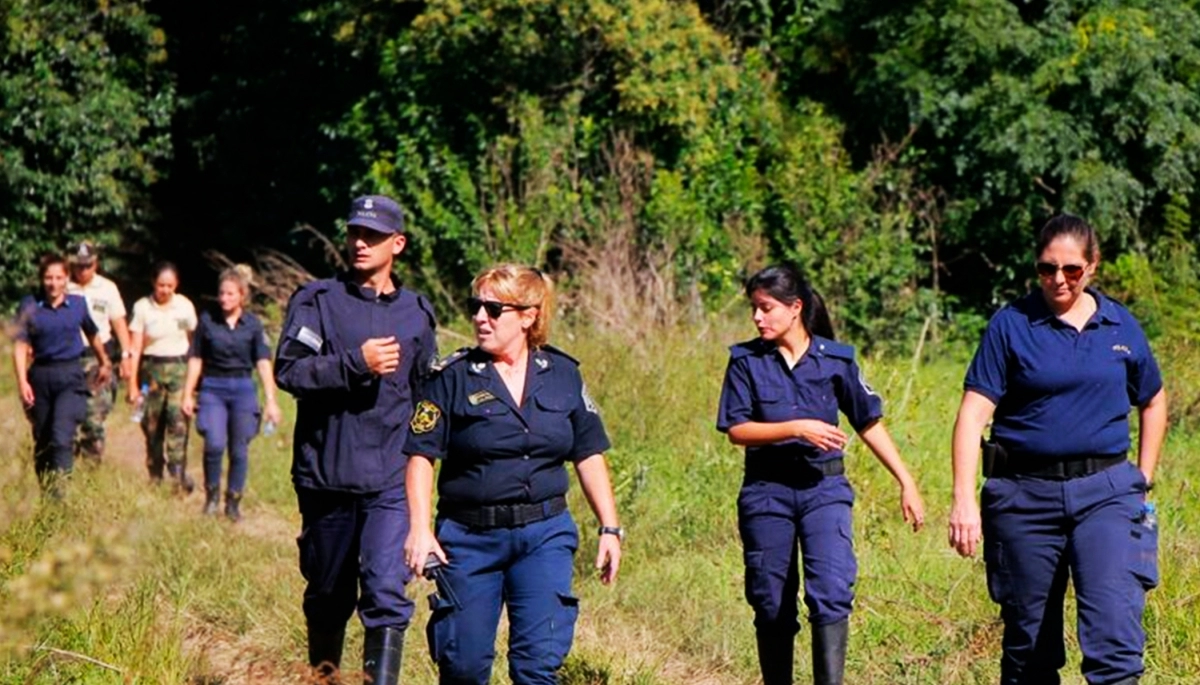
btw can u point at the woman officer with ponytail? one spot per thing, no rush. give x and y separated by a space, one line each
780 401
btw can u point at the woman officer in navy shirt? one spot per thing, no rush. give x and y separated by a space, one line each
1059 370
226 348
54 390
504 418
780 401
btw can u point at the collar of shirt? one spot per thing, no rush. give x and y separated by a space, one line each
365 293
479 363
45 304
1039 312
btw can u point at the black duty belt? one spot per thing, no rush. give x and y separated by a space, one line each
503 515
1057 468
165 360
55 363
226 373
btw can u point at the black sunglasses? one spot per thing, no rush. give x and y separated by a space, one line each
493 308
1073 272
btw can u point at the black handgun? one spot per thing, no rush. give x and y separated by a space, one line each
995 458
433 570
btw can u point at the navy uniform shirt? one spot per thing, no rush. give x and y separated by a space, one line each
494 452
1059 391
760 387
229 351
350 423
53 332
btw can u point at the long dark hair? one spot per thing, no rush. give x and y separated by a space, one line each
787 284
1071 226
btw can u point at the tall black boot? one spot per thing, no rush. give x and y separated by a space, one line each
382 649
233 500
325 654
829 652
212 499
776 652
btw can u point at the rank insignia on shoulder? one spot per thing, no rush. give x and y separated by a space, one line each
439 364
541 362
425 417
477 398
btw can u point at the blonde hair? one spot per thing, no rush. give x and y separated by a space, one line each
522 285
241 275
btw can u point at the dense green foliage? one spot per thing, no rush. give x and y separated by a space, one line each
85 103
902 152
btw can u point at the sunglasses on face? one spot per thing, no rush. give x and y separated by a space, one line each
493 308
1072 272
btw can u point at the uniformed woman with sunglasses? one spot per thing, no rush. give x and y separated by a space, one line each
504 418
1057 373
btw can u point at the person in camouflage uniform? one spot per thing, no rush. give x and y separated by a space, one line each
107 310
161 330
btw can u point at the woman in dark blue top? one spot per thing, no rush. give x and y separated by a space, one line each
780 400
53 390
226 348
1057 372
504 418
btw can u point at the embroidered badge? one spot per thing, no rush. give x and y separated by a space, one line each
1121 348
863 381
588 403
541 362
425 417
477 398
478 367
310 339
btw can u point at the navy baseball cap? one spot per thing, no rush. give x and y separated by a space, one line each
378 213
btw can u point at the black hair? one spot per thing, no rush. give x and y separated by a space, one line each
787 284
48 260
160 267
1071 226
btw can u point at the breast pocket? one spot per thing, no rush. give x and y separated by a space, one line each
774 403
554 420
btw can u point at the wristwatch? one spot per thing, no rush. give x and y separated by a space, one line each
126 354
612 530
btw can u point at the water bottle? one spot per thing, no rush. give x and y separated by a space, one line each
139 410
1149 518
268 428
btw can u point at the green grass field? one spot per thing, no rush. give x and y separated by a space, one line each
125 584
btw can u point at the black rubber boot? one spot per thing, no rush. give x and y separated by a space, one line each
382 649
829 652
776 652
212 500
233 500
325 655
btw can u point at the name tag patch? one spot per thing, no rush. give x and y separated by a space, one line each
310 339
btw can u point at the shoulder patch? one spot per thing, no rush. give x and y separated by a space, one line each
437 365
832 348
425 417
555 351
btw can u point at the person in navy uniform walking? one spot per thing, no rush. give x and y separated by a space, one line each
229 344
780 401
352 351
504 418
1057 372
54 391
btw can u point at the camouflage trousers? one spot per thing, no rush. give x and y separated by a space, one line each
89 443
164 425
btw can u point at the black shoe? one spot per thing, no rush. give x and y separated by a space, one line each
382 649
829 652
212 500
232 501
325 654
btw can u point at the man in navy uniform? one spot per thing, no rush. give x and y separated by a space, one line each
353 349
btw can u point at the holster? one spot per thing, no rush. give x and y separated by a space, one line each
995 458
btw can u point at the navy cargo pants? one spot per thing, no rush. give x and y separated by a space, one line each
59 406
350 540
772 516
1036 534
526 568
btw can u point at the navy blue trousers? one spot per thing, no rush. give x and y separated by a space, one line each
228 418
351 541
1038 533
772 517
59 406
527 569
